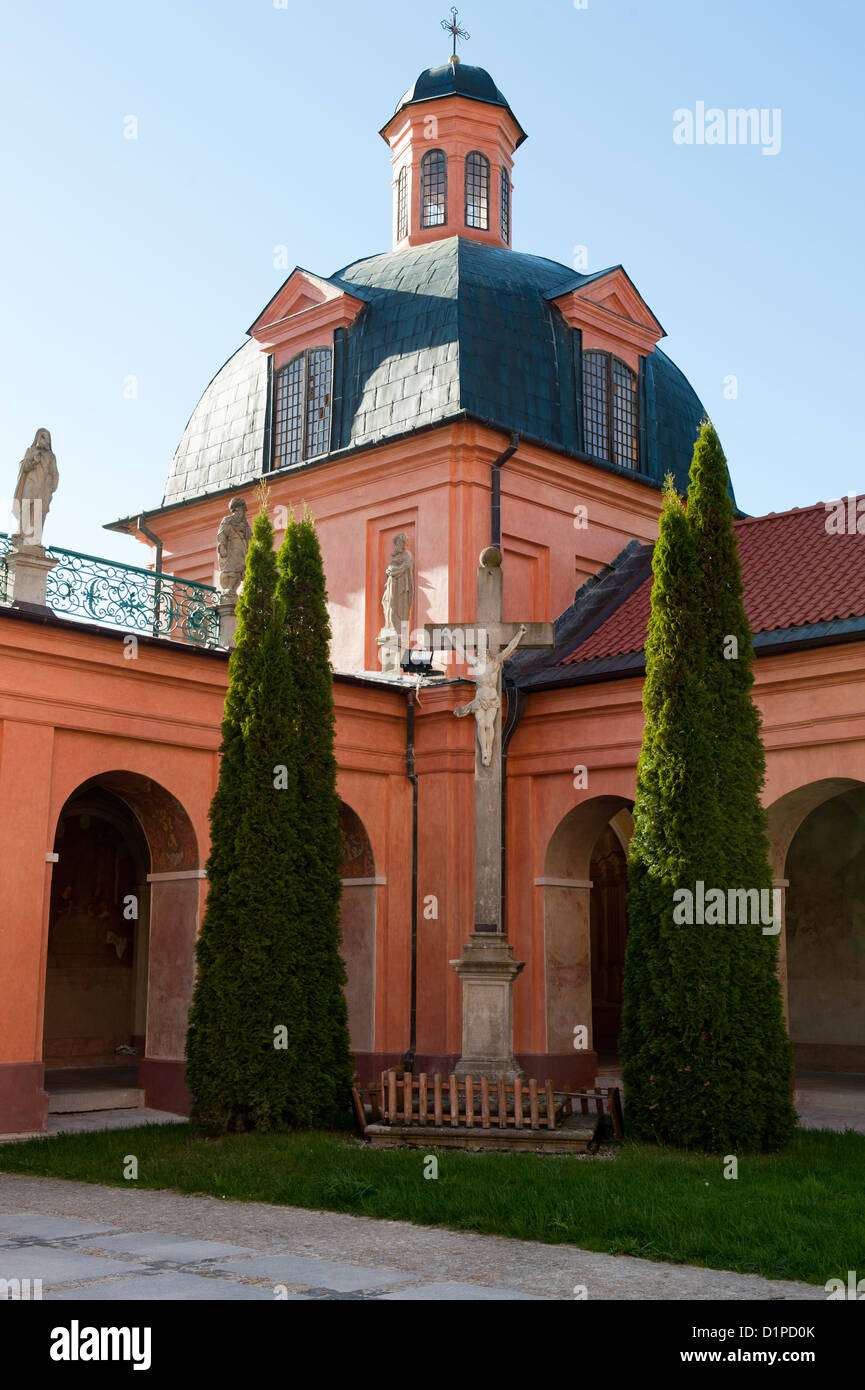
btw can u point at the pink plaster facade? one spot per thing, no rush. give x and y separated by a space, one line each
76 712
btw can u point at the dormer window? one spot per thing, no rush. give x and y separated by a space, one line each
506 206
402 204
434 189
610 409
478 191
301 408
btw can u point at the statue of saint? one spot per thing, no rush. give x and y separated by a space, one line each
488 695
37 484
398 594
232 543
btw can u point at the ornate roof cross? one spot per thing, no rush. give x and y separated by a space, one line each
453 27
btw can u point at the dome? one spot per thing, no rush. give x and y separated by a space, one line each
453 329
457 80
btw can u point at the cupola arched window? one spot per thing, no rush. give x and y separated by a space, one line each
610 409
434 189
506 206
402 204
301 407
478 191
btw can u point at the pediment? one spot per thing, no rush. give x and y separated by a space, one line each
302 303
611 304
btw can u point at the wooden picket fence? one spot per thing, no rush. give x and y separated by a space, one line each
410 1104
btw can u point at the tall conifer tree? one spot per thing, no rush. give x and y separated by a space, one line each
764 1061
706 1057
237 1077
318 1028
674 1010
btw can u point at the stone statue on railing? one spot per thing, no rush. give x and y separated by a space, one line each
397 601
28 563
232 543
36 485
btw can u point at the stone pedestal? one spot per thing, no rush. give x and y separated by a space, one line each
227 610
487 971
389 653
28 569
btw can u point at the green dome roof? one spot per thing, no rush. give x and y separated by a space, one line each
450 330
457 80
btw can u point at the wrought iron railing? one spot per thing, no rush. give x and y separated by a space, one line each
5 547
124 596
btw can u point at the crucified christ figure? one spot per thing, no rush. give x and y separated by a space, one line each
485 705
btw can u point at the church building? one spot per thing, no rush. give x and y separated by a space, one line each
482 437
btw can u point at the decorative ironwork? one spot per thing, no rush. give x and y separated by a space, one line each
611 411
453 27
5 547
478 191
136 600
434 189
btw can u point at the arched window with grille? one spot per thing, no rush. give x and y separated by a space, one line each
301 408
434 189
402 204
478 191
506 206
610 409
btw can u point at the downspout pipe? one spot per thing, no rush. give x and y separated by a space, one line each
496 540
496 491
152 536
409 1059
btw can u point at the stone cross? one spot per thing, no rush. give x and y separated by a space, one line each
487 968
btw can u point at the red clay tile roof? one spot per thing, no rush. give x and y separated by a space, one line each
795 573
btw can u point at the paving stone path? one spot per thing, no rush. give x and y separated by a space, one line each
86 1241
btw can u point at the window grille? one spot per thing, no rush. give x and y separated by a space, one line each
506 206
301 408
402 204
434 189
478 191
610 411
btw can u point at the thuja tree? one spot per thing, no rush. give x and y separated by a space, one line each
237 1077
706 1058
675 1032
318 1052
733 723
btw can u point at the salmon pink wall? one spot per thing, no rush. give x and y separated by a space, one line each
437 488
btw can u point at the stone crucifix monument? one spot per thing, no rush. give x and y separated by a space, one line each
487 968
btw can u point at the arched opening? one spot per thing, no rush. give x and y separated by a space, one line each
357 927
120 956
608 872
585 928
96 961
824 922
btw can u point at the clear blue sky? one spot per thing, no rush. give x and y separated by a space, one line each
151 257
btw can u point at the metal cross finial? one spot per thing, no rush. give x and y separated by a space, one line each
453 27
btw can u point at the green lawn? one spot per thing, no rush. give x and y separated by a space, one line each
796 1215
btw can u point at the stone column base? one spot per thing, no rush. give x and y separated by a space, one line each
23 1098
487 970
28 567
164 1085
389 653
227 610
